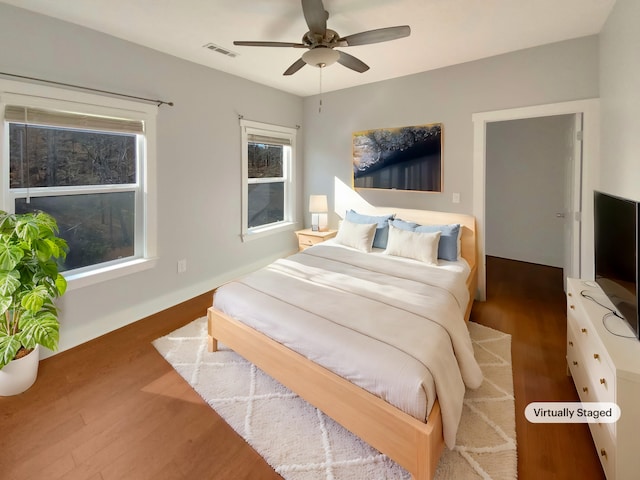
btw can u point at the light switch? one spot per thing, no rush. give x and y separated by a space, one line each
456 197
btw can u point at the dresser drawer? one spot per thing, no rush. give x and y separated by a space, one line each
602 376
309 240
605 447
576 362
584 347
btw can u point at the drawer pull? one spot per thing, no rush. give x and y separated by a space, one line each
603 381
583 330
603 453
570 294
575 363
572 307
596 356
570 343
585 389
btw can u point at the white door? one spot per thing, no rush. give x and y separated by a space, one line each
572 202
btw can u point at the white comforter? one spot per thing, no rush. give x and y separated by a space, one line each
394 328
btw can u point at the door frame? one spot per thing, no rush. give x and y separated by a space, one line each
590 109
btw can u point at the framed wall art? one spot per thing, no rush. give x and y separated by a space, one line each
404 158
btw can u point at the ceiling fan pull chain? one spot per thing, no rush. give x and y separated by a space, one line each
320 104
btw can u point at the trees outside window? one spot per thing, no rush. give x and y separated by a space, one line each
63 165
89 166
268 158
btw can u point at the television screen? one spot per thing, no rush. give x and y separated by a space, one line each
616 250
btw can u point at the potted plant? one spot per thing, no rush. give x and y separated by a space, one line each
29 284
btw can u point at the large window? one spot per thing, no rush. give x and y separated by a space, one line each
268 193
87 166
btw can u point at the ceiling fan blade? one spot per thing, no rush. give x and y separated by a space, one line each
297 65
376 36
352 62
269 44
315 16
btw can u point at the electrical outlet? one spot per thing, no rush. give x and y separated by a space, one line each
182 265
456 198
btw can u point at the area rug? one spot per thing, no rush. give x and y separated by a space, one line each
311 446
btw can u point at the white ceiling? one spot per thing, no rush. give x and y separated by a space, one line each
443 32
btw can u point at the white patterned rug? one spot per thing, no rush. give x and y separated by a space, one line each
311 446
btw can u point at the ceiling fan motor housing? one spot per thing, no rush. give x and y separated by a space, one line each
330 39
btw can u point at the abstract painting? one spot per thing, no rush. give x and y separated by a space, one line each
404 158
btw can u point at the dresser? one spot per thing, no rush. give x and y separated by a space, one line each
605 368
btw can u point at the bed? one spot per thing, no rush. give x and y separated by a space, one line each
407 421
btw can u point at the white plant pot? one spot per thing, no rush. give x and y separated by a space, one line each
18 375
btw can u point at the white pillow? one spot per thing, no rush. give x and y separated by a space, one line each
421 246
356 235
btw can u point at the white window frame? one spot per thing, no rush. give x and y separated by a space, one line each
249 127
38 96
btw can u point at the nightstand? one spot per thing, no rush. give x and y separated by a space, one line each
308 238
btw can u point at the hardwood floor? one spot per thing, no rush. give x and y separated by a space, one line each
528 302
114 409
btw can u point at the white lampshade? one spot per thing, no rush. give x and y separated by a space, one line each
318 204
320 57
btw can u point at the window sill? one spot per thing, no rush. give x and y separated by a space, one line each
269 230
84 279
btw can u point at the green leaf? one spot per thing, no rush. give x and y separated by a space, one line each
10 255
9 346
27 227
42 328
56 249
7 221
35 298
62 245
42 249
47 224
9 282
5 303
61 283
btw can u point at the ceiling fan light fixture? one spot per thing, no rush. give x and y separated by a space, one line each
320 57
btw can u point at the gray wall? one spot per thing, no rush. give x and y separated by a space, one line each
525 188
620 101
553 73
198 169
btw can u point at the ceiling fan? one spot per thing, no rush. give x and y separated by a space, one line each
321 41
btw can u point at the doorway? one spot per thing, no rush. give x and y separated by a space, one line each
530 191
581 250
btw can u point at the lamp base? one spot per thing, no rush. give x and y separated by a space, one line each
323 222
319 222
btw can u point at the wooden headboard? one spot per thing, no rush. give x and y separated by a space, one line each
429 217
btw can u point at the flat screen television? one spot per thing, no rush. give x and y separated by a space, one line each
616 222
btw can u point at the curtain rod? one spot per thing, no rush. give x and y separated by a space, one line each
241 117
157 102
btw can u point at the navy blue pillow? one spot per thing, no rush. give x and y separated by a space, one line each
382 230
449 234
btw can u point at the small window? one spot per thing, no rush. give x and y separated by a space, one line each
268 159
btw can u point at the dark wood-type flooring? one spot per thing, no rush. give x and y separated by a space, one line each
113 409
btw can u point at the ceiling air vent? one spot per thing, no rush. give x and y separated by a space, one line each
216 48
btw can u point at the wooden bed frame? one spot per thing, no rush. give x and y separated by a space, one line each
413 444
